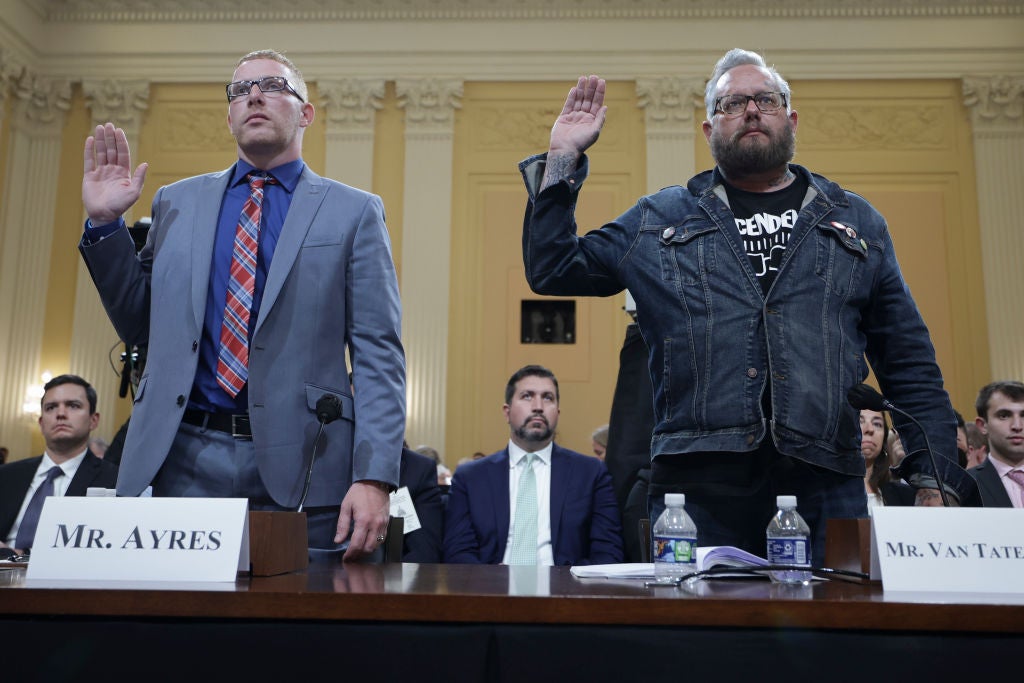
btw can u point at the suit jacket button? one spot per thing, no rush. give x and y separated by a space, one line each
195 345
181 400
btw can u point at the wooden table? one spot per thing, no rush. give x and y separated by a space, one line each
494 623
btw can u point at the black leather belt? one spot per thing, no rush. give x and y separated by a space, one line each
235 424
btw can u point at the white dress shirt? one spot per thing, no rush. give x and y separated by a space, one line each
60 486
542 471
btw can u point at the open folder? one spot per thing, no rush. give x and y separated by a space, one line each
707 557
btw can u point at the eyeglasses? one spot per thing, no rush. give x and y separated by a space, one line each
766 103
267 84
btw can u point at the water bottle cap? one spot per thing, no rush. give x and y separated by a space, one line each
785 501
674 499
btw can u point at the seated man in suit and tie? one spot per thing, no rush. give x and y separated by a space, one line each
66 468
1000 477
533 502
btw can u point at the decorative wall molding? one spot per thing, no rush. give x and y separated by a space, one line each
351 104
995 102
874 127
668 102
40 103
121 102
376 10
429 103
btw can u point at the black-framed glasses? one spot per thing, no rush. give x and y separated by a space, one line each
267 84
766 103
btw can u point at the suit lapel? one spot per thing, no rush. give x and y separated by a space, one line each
501 504
561 469
204 229
309 195
12 492
84 476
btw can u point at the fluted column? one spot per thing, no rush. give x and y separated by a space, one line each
429 106
350 106
668 103
996 108
92 336
26 234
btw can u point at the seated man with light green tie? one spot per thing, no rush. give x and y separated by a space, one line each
533 502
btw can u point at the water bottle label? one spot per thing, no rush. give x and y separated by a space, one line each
677 550
788 551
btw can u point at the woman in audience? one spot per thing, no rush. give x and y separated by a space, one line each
873 435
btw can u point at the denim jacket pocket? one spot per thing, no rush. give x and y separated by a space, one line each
688 251
841 257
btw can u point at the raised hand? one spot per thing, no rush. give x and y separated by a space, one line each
109 188
582 118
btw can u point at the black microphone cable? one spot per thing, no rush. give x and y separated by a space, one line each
328 409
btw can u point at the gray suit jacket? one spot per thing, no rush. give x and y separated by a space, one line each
993 493
331 284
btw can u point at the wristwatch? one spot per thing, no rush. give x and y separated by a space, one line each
383 486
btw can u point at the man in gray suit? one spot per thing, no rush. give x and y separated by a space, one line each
252 283
1000 477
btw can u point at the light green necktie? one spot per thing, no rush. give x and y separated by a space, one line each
524 529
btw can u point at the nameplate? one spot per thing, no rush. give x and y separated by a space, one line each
141 539
957 550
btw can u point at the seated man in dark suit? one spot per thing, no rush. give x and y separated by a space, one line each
67 468
418 474
1000 477
533 502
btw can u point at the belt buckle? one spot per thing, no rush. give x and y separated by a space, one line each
240 428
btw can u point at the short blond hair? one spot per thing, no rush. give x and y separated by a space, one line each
298 82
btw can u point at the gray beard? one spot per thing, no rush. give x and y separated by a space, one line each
737 160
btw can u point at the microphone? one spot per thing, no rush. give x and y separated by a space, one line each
863 397
328 409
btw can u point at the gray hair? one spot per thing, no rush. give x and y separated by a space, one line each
732 59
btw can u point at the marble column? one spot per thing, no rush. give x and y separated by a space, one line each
26 234
350 106
429 106
996 108
669 103
93 339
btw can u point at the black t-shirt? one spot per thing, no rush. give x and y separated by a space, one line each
765 221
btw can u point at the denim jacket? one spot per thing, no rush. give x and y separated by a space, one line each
717 343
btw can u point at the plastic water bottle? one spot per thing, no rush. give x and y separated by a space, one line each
789 542
674 541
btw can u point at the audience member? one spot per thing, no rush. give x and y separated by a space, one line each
599 441
430 452
1000 477
66 468
418 475
876 460
479 455
977 445
533 502
98 446
3 454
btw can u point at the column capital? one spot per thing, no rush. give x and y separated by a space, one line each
40 103
120 102
429 103
669 101
995 103
351 104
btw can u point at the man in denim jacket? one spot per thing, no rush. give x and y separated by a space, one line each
761 289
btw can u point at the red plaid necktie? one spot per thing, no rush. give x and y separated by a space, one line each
233 359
